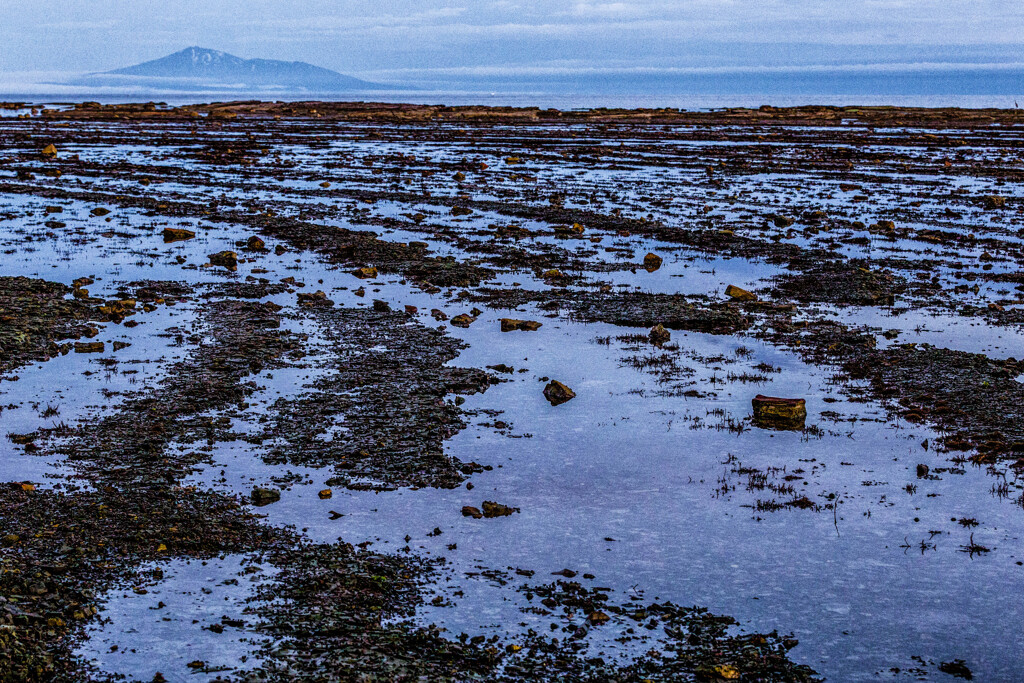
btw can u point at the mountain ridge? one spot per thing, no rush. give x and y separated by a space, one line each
199 68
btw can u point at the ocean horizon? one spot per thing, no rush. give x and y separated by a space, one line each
565 102
989 85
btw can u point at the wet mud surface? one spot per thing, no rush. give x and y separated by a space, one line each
293 350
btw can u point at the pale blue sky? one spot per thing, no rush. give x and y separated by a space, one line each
405 39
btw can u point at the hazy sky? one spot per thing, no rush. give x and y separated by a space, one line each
409 38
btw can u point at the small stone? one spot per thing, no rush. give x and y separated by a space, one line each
995 202
779 413
463 320
365 273
652 262
721 672
957 669
512 324
317 299
574 229
263 496
325 494
177 235
737 294
470 511
492 509
659 335
99 211
49 151
254 243
557 393
225 259
597 618
89 347
501 367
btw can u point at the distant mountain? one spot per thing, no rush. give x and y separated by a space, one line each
201 69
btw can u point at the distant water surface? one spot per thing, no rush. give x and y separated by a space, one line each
545 100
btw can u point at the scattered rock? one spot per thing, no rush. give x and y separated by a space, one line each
89 347
779 413
652 262
957 668
569 230
318 298
177 235
492 509
659 335
995 202
463 320
225 259
365 273
718 672
737 294
512 324
263 496
557 393
470 511
501 367
254 243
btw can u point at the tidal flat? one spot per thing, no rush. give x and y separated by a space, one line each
334 391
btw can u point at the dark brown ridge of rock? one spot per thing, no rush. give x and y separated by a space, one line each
390 402
35 315
842 283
